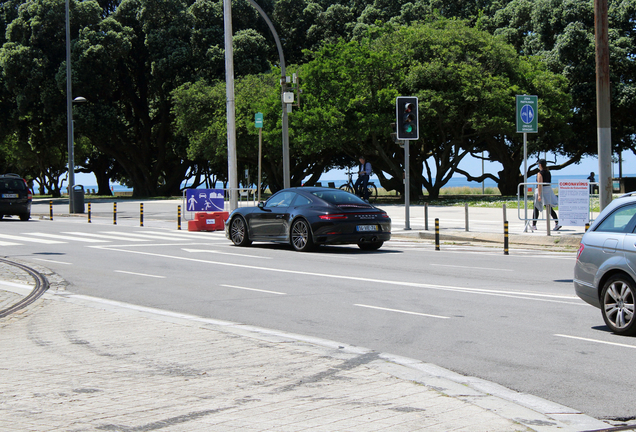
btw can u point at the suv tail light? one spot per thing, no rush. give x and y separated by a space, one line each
581 247
29 193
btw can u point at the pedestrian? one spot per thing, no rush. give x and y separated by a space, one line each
363 179
591 179
545 196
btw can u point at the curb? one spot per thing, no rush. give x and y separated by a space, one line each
527 240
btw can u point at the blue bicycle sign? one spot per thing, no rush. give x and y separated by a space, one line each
527 114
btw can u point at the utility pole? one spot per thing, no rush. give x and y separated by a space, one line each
232 166
603 120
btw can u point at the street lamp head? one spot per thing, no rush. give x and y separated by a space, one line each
79 99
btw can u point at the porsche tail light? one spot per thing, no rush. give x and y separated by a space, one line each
333 216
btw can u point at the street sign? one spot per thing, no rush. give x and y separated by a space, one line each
527 110
258 120
211 200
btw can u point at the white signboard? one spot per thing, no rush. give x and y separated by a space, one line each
574 202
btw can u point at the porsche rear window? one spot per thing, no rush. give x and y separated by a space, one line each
337 196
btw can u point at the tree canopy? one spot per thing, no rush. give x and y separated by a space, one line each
153 72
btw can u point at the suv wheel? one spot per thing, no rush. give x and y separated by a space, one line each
618 304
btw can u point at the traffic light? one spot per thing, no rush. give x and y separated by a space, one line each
407 118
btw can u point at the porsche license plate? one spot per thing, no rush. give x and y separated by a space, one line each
10 195
367 228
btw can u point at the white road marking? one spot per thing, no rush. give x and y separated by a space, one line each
402 311
51 261
223 253
110 237
142 236
596 341
9 244
139 274
62 237
514 294
254 289
207 235
466 267
27 239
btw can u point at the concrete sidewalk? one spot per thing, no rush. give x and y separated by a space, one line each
75 363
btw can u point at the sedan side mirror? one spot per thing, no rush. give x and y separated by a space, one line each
261 205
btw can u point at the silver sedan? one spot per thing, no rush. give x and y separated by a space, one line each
605 268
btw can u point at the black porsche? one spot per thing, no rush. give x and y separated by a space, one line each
310 216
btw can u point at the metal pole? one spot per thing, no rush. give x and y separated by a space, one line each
466 210
483 183
50 210
548 210
179 217
407 187
426 216
141 214
525 178
114 213
69 113
260 157
230 104
603 120
89 212
285 123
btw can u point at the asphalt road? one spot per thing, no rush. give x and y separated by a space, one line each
512 319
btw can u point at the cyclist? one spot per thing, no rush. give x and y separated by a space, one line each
363 179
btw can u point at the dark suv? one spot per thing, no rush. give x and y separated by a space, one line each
15 197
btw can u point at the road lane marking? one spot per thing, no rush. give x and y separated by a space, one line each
223 253
596 341
466 267
9 244
27 239
201 235
62 237
103 236
51 261
514 294
254 289
139 274
142 236
402 311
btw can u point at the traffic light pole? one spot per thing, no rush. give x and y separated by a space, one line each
407 187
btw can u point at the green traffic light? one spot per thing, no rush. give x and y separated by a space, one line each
408 128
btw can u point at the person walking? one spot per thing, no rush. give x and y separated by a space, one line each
545 196
363 179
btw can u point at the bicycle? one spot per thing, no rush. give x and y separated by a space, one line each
349 187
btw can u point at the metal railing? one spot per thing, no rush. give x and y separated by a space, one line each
526 195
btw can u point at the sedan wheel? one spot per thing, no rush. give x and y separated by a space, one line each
238 232
617 305
301 236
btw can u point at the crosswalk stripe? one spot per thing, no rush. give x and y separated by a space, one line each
27 239
145 236
207 235
8 244
103 236
62 237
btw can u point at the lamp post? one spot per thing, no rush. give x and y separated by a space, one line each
71 159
